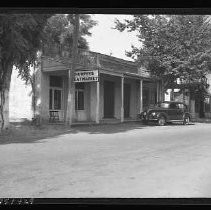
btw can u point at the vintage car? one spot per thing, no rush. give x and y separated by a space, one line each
167 111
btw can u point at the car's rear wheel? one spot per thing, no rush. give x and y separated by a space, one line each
161 121
186 120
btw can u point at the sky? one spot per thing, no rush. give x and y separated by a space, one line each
106 40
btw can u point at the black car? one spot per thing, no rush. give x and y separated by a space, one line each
167 111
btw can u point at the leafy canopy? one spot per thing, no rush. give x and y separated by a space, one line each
20 39
59 32
173 46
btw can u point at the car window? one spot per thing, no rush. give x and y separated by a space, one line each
173 106
163 105
181 106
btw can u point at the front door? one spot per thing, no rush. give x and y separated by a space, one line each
108 99
126 100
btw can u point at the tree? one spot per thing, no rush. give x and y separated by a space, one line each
59 32
21 37
174 46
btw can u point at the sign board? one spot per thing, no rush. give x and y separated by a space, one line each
86 76
142 71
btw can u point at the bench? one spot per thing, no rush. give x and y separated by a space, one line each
53 116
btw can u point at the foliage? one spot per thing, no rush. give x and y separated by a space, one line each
59 37
20 39
59 32
174 46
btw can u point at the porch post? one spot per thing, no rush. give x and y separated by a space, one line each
141 95
69 112
98 102
158 92
122 99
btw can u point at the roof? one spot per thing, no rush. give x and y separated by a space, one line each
176 102
88 60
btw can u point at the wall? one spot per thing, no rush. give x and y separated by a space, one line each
20 100
43 103
209 82
133 96
134 100
208 115
84 115
93 99
117 95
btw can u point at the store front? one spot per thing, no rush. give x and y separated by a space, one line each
112 90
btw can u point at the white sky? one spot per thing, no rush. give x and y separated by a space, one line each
106 40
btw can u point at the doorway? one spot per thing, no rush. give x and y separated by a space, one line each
108 99
127 89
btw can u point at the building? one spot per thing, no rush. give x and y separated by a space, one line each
20 99
106 88
199 106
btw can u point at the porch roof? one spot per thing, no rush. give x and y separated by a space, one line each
183 85
137 76
92 61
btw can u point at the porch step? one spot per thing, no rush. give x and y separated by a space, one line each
56 123
110 121
84 123
202 120
102 122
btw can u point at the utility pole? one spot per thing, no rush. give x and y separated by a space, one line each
70 114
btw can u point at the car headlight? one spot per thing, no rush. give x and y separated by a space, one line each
153 114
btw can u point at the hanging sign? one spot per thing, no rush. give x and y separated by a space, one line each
86 76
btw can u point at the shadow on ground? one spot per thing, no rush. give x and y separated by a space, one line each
24 132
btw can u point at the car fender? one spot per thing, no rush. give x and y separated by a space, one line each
162 114
186 114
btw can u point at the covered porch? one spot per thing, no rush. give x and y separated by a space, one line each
118 95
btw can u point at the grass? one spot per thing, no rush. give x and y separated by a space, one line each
24 132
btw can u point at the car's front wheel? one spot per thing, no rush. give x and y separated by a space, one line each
161 121
186 120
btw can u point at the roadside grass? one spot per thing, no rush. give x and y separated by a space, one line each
24 132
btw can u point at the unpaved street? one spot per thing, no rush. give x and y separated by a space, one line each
121 161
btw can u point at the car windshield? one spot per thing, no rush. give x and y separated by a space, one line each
163 105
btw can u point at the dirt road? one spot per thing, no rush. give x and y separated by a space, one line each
121 161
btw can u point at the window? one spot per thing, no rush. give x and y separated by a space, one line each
79 96
173 106
55 81
57 99
163 105
207 104
182 106
55 93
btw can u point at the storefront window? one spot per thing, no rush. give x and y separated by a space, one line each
50 99
207 104
55 81
79 96
57 99
55 93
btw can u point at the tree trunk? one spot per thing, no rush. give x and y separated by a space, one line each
4 111
4 100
